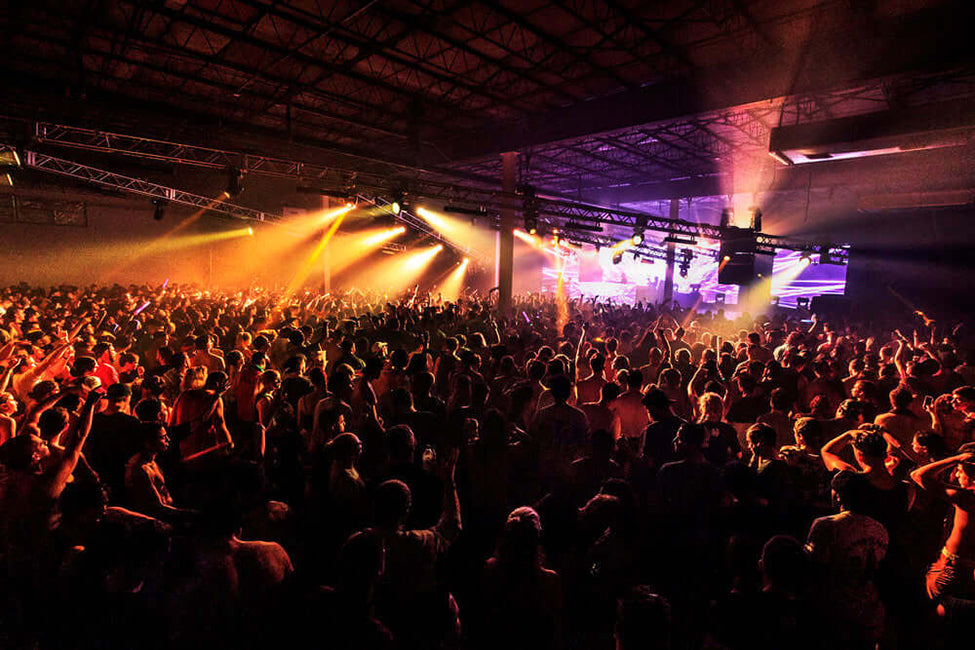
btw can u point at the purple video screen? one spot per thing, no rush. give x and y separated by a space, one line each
590 273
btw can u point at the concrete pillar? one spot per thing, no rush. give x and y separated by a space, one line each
506 237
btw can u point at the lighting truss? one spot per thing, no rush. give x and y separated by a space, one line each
410 220
644 250
557 209
71 169
186 154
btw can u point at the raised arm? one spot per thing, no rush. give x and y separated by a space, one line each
449 525
929 476
58 476
830 453
900 357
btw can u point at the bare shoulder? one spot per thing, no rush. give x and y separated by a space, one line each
270 556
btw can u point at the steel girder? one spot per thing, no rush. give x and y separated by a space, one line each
70 169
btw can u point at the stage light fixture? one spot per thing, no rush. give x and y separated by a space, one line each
756 218
685 262
727 217
679 240
235 182
159 209
250 231
802 302
617 258
637 237
400 200
805 259
588 227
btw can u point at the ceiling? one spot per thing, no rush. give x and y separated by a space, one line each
616 101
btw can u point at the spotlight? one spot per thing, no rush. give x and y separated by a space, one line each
235 182
802 302
250 231
719 298
159 209
617 258
529 208
805 259
401 200
726 258
637 237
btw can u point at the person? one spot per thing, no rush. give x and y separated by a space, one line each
347 611
658 437
30 490
8 426
901 421
589 472
643 621
750 404
631 412
778 417
559 430
198 421
721 444
780 603
588 389
883 497
953 416
104 353
953 572
522 598
144 481
810 475
226 588
206 356
411 599
774 482
114 439
600 415
846 550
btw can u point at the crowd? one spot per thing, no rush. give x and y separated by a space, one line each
181 468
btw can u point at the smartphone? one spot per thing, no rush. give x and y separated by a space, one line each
928 401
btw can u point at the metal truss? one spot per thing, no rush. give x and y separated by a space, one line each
414 222
557 210
70 169
184 154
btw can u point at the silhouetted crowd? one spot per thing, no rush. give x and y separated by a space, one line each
186 468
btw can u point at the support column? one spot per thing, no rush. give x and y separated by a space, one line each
671 250
506 237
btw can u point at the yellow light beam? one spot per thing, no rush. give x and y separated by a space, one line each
309 263
451 286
